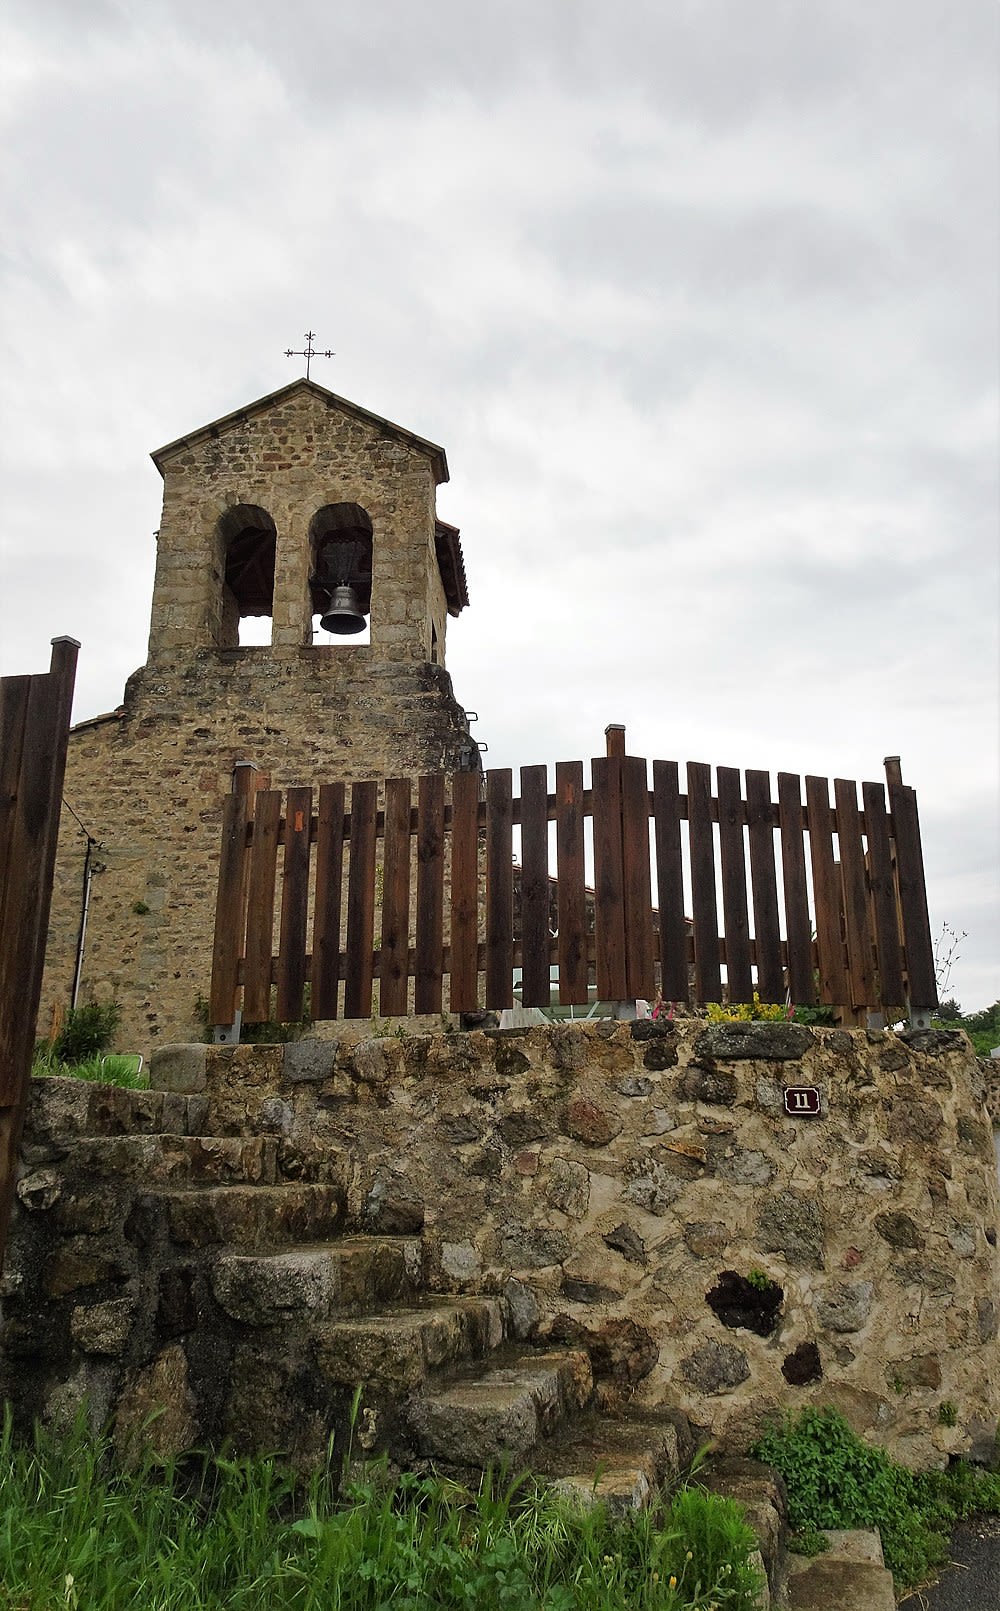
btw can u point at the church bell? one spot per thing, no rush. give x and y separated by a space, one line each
344 613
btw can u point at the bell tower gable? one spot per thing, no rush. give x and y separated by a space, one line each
243 502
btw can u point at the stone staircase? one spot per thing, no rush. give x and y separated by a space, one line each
219 1277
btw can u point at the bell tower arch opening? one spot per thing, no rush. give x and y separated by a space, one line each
247 539
340 576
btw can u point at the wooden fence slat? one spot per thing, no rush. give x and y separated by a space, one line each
763 879
640 972
571 888
705 912
260 906
802 982
499 889
464 979
394 964
860 944
14 695
609 892
674 977
536 989
736 919
291 970
833 984
917 940
428 993
359 970
882 887
328 898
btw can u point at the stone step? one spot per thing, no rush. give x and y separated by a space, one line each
196 1160
595 1460
760 1492
318 1281
849 1576
248 1218
398 1348
498 1415
60 1109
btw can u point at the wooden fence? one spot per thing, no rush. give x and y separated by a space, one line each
821 900
34 725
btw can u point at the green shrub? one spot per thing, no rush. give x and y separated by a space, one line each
88 1031
836 1480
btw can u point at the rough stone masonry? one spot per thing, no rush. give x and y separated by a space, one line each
638 1192
147 780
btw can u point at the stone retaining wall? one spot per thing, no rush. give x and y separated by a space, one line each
640 1190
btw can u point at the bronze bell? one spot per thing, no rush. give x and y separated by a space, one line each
344 613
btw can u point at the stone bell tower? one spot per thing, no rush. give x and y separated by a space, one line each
299 507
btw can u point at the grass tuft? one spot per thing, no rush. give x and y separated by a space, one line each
248 1535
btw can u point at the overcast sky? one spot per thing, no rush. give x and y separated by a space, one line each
698 295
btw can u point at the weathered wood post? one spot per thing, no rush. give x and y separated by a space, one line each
34 727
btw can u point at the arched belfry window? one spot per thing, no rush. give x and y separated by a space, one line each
248 537
340 536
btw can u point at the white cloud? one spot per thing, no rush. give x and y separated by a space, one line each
700 300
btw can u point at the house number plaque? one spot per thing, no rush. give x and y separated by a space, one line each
802 1101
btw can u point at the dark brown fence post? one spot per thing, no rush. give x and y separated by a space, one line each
231 902
918 945
34 729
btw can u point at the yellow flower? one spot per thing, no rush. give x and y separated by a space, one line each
673 1582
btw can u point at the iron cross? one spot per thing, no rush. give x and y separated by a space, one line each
309 352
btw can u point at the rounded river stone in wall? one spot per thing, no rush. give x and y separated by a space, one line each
716 1367
713 1085
589 1123
845 1307
898 1230
789 1223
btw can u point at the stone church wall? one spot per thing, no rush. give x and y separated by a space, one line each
638 1190
148 781
149 784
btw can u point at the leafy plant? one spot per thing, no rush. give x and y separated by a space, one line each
758 1279
813 1015
772 1012
746 1011
836 1480
87 1031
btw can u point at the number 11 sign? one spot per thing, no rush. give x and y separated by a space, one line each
802 1101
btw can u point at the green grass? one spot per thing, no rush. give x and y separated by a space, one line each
105 1069
247 1535
835 1479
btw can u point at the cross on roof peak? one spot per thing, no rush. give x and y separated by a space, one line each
308 352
